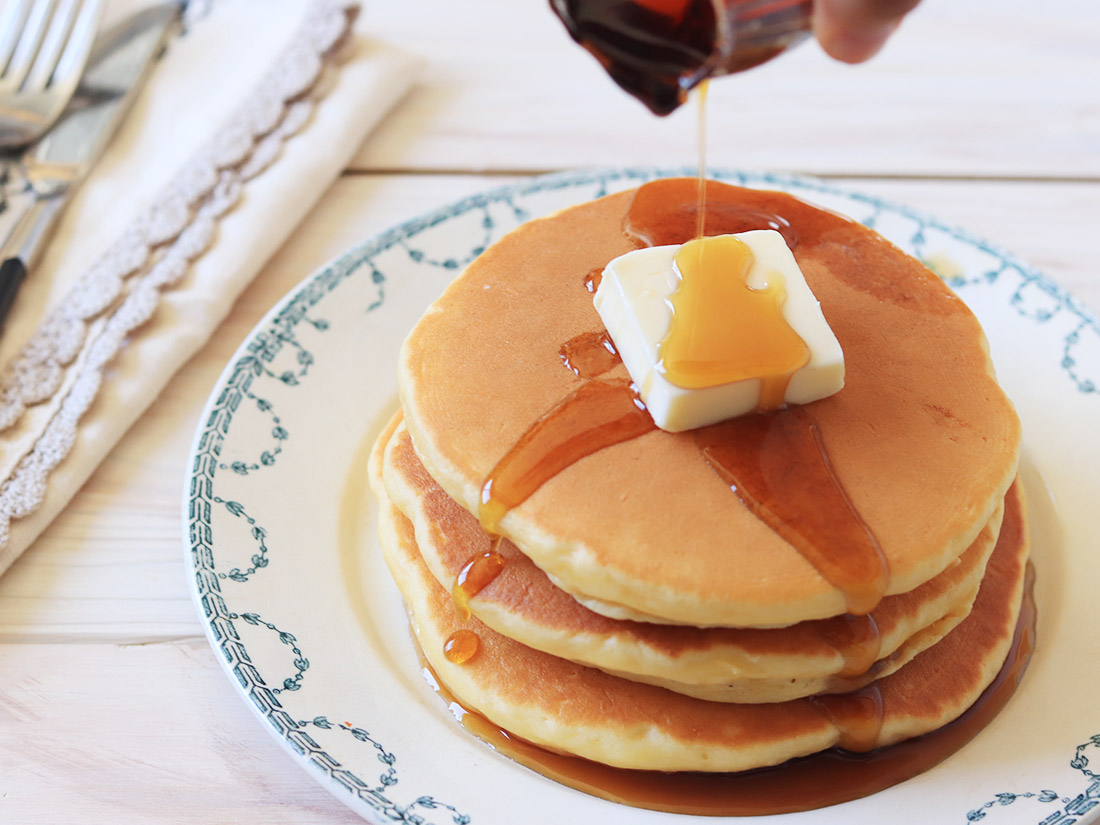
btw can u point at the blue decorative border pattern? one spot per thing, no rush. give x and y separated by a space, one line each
289 330
1070 809
261 351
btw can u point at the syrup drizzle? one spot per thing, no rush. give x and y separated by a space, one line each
856 638
461 646
701 173
822 779
778 466
593 279
475 576
666 211
589 354
725 330
857 715
597 414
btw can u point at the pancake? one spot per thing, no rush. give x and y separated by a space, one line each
922 439
718 664
583 711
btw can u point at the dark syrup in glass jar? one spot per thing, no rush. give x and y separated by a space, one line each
658 50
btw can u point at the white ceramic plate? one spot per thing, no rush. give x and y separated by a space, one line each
300 610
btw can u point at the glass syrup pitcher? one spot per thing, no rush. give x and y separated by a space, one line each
658 50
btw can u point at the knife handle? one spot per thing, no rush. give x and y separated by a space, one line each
23 246
12 274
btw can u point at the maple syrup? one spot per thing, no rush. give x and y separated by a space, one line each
723 330
461 646
778 466
856 638
666 211
701 168
475 576
658 50
593 279
596 415
652 49
807 783
858 716
589 354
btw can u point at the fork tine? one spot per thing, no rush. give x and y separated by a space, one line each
52 44
29 42
13 15
70 65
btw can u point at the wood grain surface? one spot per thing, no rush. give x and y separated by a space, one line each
113 707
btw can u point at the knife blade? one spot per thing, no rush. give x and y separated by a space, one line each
53 167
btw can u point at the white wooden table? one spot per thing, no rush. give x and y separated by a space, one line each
112 705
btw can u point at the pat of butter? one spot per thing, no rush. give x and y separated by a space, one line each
633 300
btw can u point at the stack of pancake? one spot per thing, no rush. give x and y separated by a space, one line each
629 607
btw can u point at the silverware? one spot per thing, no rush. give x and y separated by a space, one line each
50 170
44 45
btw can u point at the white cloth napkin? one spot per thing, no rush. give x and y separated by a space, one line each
254 109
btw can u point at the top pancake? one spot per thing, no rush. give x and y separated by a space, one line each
921 437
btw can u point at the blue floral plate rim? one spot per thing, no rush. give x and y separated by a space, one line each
276 342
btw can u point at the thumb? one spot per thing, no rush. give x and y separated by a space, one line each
854 30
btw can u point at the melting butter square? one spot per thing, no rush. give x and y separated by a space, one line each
633 300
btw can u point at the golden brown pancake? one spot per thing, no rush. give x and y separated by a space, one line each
583 711
718 664
921 437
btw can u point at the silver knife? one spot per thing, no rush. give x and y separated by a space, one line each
53 168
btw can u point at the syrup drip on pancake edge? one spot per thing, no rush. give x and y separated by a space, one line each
461 646
778 466
856 638
858 716
475 576
596 415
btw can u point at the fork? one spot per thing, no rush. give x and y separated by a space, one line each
44 45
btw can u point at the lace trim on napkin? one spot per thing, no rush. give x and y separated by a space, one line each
121 291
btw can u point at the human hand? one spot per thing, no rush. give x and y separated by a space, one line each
854 30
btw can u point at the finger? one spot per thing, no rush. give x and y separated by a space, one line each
855 30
